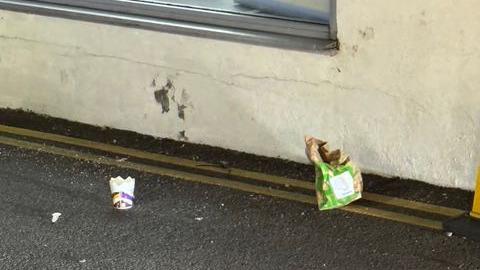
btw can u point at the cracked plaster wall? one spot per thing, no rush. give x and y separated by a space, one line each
401 95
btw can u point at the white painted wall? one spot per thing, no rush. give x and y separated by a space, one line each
402 94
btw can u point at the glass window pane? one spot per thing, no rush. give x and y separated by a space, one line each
298 10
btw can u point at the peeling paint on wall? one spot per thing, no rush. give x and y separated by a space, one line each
181 111
166 96
182 136
368 33
161 95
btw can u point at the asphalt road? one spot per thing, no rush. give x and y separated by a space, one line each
182 225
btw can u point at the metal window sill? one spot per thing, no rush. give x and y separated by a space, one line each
265 31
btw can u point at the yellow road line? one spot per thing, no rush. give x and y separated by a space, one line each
419 206
379 213
428 208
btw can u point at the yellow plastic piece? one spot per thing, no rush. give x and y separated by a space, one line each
476 200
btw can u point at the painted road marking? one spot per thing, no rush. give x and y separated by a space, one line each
374 212
378 198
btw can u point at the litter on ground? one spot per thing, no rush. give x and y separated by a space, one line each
55 216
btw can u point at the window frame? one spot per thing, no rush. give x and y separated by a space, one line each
261 30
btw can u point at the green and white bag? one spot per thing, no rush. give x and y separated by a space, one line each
338 181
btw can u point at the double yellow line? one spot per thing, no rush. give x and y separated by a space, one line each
220 181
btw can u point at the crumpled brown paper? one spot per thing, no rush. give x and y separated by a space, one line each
317 151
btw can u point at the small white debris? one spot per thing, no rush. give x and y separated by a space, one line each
449 234
199 218
122 159
55 217
303 213
114 141
211 242
82 261
223 163
222 204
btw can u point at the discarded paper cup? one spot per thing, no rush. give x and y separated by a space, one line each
122 192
